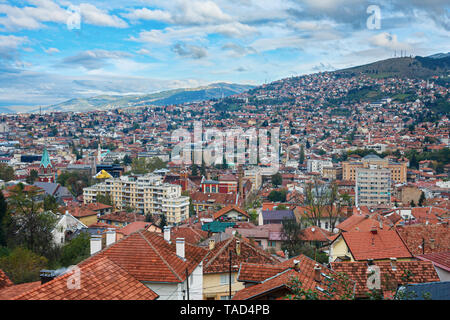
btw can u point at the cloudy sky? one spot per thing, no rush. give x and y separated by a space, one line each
54 50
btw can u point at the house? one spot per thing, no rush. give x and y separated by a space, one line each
66 226
120 219
385 276
327 219
202 201
191 235
275 216
270 282
441 262
165 266
316 235
60 193
372 245
366 222
268 236
423 239
82 213
424 291
100 279
222 256
231 213
135 226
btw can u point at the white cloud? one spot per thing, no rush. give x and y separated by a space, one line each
388 41
92 15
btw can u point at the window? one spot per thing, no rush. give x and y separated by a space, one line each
224 279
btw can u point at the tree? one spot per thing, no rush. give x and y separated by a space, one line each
333 205
291 232
277 179
32 177
422 199
75 182
76 250
6 172
3 217
194 170
23 265
302 155
316 200
105 199
412 204
277 196
163 221
127 160
50 203
28 225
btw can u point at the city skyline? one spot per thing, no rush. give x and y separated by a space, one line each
150 46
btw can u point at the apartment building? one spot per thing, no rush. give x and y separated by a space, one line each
317 165
398 169
145 193
373 186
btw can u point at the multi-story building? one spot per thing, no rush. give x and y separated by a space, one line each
373 186
398 169
332 173
145 193
317 165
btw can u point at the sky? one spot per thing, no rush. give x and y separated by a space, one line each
55 50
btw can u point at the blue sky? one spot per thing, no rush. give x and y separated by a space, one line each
143 46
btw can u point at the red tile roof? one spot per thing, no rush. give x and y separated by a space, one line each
101 279
190 234
358 222
315 234
404 272
439 259
384 244
148 257
4 280
413 236
229 208
218 259
122 217
282 280
13 291
134 226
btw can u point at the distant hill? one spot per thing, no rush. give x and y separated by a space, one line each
418 67
177 96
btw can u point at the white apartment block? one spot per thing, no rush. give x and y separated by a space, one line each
317 165
373 186
145 193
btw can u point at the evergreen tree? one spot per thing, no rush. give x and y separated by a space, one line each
302 155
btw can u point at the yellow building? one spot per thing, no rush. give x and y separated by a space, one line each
375 245
398 169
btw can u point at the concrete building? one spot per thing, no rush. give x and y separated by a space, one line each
145 193
398 169
373 186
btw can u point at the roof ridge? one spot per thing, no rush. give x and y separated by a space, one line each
159 254
219 251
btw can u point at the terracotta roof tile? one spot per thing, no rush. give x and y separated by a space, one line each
439 259
4 280
437 237
101 279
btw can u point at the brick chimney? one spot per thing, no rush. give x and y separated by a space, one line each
238 247
297 265
317 274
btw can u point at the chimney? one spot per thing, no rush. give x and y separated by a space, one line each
212 244
394 264
180 247
374 230
432 244
47 275
96 243
238 247
110 236
370 262
297 265
317 275
167 234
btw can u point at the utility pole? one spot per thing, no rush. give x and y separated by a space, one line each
187 283
423 245
229 278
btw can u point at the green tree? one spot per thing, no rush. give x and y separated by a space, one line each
162 221
302 155
3 218
75 182
76 250
105 199
50 203
422 199
277 196
127 160
32 177
277 179
194 170
6 172
28 225
23 265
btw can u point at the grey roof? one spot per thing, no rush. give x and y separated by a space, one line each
49 187
425 291
372 156
278 214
